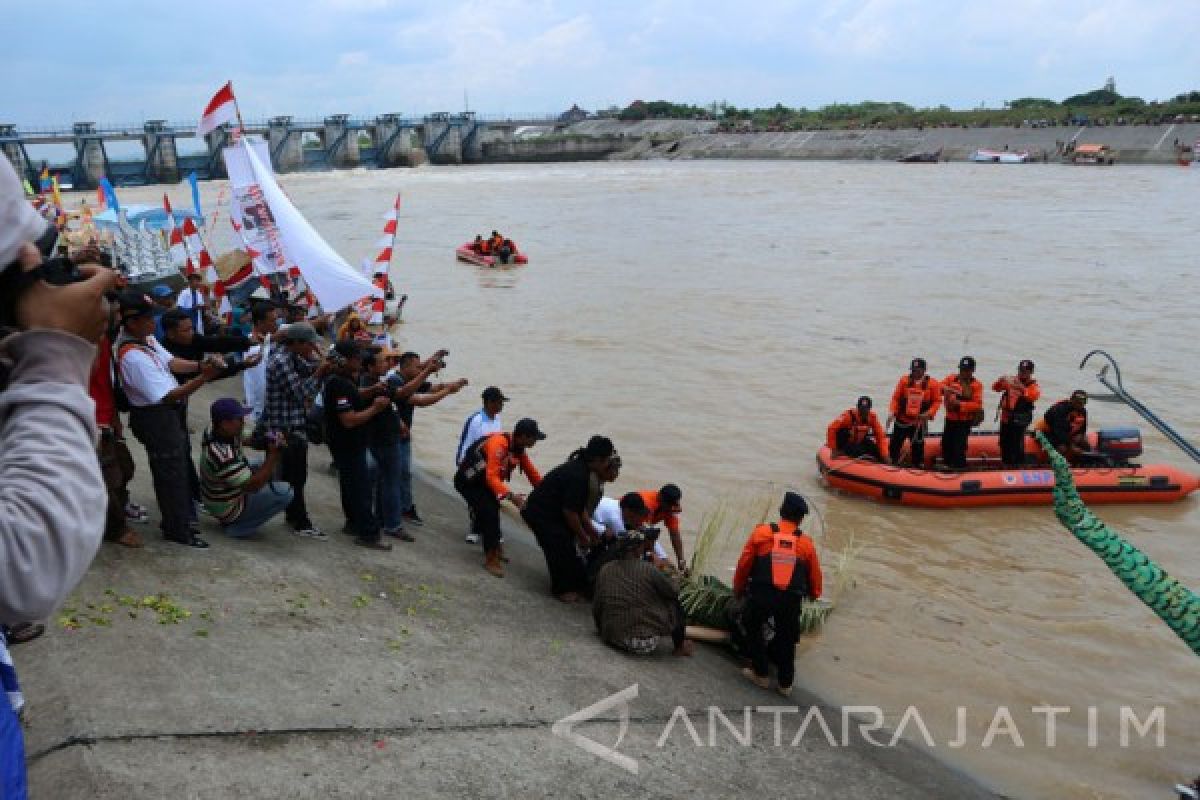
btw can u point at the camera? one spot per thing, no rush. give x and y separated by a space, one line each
60 271
650 534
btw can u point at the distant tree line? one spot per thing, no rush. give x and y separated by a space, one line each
1104 106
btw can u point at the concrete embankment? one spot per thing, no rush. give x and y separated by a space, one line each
677 139
312 669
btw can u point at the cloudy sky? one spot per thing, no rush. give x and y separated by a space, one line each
121 61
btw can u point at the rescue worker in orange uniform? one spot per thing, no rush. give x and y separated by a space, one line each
963 397
857 432
664 507
778 570
482 480
1065 425
915 400
477 245
1018 394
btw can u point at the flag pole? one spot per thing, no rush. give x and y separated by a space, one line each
237 110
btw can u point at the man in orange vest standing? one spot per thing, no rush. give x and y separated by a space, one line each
915 401
1019 393
963 396
857 432
778 570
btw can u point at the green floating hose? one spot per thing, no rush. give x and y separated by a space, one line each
1176 605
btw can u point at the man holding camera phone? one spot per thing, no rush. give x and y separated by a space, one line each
155 397
241 498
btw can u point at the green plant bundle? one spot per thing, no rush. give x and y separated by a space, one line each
707 600
1176 605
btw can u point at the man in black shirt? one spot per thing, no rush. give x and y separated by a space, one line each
348 411
410 367
384 439
556 512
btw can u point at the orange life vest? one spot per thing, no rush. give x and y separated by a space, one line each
781 567
914 398
859 428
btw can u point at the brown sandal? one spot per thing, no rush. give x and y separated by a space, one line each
130 538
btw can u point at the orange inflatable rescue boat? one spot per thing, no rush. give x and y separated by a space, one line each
986 482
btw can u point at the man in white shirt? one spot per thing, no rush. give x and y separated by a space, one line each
614 518
155 396
254 379
193 300
480 424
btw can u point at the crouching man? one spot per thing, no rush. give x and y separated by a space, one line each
635 604
241 497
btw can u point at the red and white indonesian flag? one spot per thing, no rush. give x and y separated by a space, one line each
220 109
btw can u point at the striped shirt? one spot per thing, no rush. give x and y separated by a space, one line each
224 472
475 428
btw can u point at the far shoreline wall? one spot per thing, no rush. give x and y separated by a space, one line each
684 139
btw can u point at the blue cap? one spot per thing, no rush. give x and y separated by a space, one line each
227 408
162 290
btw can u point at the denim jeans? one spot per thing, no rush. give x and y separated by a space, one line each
268 501
354 480
387 484
404 473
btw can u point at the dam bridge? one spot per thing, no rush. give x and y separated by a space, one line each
337 141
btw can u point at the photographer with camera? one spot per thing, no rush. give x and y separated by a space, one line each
348 410
50 481
242 498
294 377
148 374
428 394
384 437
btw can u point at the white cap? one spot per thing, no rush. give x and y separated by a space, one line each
19 222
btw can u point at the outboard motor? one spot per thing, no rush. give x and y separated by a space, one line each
1119 444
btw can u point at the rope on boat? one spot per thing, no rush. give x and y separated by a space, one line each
1174 603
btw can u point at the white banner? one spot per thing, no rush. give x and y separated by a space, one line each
335 283
246 206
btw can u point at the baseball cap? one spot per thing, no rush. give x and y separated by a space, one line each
793 506
134 304
1079 394
966 362
162 290
298 332
528 427
227 408
493 394
1026 364
917 363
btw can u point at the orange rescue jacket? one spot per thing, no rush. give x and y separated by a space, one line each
910 398
668 518
1014 392
492 458
859 428
783 556
969 409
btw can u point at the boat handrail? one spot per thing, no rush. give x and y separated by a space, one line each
1119 393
